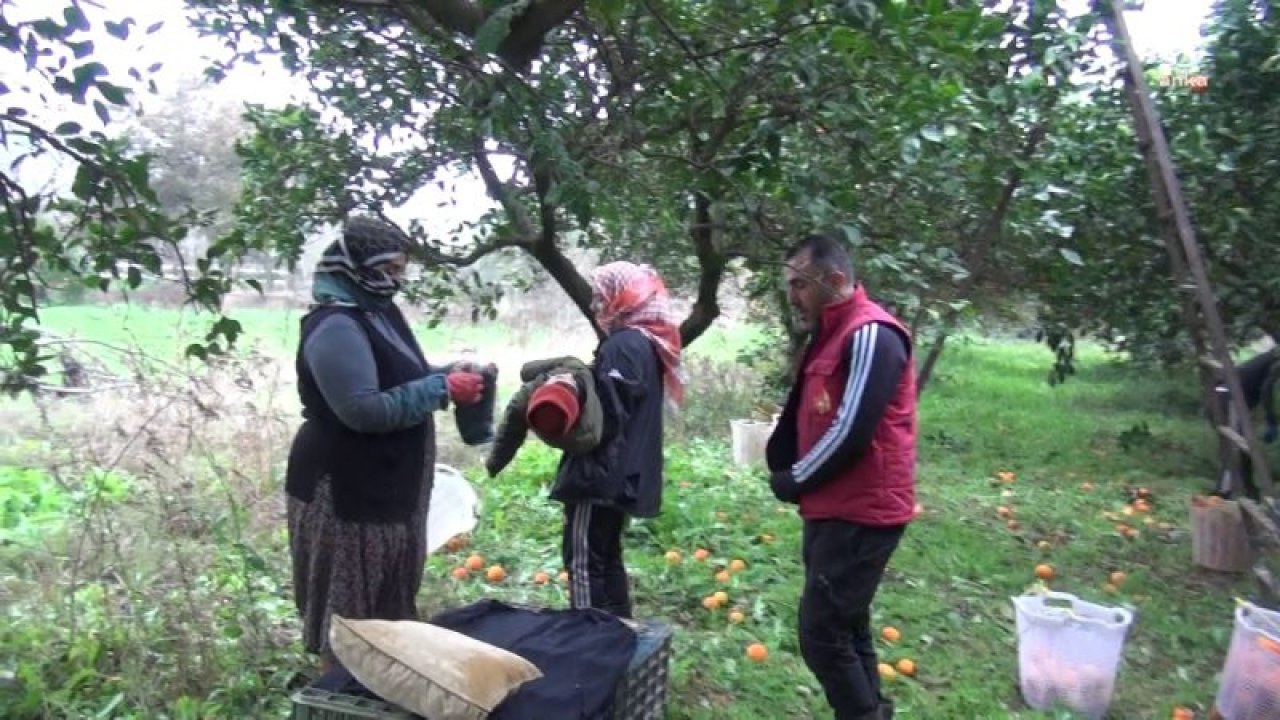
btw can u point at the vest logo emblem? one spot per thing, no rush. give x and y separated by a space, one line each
822 403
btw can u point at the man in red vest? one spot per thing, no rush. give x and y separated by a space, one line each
844 450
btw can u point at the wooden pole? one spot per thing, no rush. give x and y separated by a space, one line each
1165 182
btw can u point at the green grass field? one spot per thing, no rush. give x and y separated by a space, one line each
1077 452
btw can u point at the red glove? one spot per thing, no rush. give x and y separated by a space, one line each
465 388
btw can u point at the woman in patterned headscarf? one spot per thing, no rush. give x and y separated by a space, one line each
635 365
361 467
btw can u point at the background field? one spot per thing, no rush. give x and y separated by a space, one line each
144 570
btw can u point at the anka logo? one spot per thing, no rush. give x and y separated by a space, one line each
1195 82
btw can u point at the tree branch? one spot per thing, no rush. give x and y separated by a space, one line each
706 308
499 191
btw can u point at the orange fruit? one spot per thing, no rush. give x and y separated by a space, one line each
766 538
1044 544
1044 571
907 667
736 616
709 602
1181 713
459 573
673 557
1086 486
723 576
737 565
721 597
757 652
1117 578
1004 511
1110 588
890 634
1141 506
564 576
1014 525
541 577
1129 533
701 554
475 562
886 671
495 573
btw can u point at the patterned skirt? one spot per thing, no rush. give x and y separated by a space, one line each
356 570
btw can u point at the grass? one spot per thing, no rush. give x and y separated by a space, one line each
948 587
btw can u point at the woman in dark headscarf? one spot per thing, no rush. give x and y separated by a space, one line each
361 467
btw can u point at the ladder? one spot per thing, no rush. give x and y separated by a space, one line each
1237 438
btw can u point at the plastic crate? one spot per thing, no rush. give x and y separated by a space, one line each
313 704
641 693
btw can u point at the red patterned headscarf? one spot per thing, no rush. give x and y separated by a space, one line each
634 296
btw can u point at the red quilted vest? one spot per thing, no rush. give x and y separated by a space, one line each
879 488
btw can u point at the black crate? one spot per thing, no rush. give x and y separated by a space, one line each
641 694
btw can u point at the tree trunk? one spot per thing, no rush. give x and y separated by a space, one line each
930 360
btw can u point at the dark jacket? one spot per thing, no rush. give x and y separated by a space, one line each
582 437
625 468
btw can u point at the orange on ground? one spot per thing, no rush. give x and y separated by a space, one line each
701 554
1044 544
1181 713
1004 511
495 573
886 671
907 667
757 652
673 557
1086 486
1110 588
475 562
541 577
723 576
890 634
1014 524
736 616
710 602
1044 571
721 597
1117 578
564 576
737 565
460 573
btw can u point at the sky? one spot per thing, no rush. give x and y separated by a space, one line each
1162 28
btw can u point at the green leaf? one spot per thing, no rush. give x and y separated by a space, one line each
1071 256
911 150
114 94
496 27
118 29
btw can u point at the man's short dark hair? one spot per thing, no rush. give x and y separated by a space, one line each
825 252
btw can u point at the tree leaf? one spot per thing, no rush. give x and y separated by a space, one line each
1071 256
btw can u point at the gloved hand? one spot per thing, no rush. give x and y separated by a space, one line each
465 388
1269 436
784 486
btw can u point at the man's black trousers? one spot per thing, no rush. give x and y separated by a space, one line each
844 563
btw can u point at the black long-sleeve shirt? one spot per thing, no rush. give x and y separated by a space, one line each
877 357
